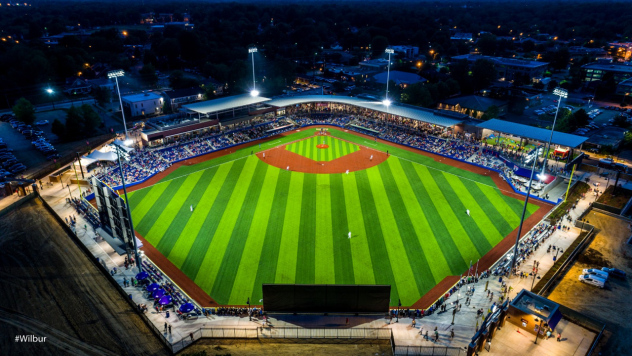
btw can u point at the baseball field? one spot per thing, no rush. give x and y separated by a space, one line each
237 221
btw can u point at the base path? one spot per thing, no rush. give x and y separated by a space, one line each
359 160
282 158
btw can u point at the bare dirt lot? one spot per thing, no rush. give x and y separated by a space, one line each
50 289
288 347
609 305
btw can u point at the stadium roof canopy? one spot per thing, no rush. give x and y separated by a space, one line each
435 117
222 104
534 133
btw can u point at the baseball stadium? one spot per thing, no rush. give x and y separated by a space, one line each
244 191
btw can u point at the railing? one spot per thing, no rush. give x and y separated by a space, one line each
428 351
283 333
571 258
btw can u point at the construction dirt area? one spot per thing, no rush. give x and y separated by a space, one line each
51 289
289 347
608 305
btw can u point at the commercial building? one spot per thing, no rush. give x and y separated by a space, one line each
625 87
622 51
177 98
596 71
144 104
462 37
578 52
407 51
509 68
380 64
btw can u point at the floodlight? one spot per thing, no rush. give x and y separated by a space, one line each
562 93
128 142
116 73
254 93
386 102
390 51
252 50
49 91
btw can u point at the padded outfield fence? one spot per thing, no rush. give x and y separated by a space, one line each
408 350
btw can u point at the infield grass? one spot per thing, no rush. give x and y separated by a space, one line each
253 223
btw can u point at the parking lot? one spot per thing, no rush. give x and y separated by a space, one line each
25 152
608 249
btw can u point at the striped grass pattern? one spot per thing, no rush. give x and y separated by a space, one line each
337 148
253 223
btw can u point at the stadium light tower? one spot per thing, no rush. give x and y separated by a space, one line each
561 93
115 74
252 51
387 101
129 211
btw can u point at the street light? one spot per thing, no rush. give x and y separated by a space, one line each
50 92
129 211
562 93
390 51
254 92
115 74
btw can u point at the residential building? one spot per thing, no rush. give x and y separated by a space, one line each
218 87
596 71
179 97
462 37
148 17
407 51
143 104
76 86
472 105
102 83
509 68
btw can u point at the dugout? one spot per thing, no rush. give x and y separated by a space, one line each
326 298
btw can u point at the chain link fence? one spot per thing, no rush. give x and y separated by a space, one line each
428 351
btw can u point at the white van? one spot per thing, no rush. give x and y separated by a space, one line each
592 280
597 272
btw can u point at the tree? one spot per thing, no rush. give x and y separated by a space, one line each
560 59
552 85
417 94
491 113
487 44
59 129
24 111
103 95
91 120
148 74
620 121
582 118
483 73
339 86
74 124
378 45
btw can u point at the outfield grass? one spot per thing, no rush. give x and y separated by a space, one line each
253 223
337 148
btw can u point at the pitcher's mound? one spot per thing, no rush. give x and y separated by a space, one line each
322 145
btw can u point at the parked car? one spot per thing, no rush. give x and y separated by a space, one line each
592 280
614 272
41 123
597 272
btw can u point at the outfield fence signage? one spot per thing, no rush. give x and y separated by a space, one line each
408 350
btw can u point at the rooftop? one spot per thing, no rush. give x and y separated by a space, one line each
534 133
501 60
181 93
211 106
434 117
141 97
609 67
